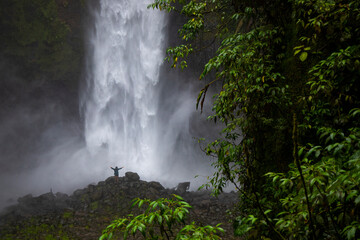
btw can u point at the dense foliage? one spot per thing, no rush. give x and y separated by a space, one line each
35 37
289 100
162 219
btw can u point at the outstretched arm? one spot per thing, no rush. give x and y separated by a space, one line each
112 168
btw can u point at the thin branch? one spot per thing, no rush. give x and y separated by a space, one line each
330 214
298 165
252 185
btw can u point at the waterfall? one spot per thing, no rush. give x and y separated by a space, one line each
138 114
122 104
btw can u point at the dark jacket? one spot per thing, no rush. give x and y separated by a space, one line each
116 171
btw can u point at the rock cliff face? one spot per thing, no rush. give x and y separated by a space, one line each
85 213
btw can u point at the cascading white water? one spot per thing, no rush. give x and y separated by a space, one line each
123 102
137 113
136 116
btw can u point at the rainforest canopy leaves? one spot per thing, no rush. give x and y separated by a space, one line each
288 73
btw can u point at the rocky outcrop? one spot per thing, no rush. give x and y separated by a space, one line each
88 211
182 187
130 176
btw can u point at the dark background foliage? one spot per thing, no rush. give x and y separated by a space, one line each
288 72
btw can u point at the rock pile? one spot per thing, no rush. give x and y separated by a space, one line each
86 212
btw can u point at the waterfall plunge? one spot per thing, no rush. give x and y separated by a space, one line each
138 114
122 105
127 122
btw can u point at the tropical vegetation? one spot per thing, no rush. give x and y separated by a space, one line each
287 80
163 218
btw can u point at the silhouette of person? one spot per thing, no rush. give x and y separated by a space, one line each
116 171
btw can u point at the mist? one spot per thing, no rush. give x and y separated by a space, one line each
131 111
39 133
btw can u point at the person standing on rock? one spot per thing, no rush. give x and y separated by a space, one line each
116 172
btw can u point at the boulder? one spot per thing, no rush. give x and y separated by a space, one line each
132 176
110 180
182 187
156 185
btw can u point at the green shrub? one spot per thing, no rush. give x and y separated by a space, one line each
161 219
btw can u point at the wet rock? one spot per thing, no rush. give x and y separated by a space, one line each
182 187
91 209
79 192
131 176
156 185
91 188
61 196
25 199
101 183
46 197
96 194
110 180
205 203
61 200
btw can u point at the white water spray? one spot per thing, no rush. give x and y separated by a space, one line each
136 115
128 123
123 102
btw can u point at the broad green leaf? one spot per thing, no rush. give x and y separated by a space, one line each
303 56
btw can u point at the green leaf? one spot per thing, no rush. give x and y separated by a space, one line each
154 205
300 151
151 218
350 234
159 217
303 56
141 203
296 52
357 200
178 197
267 211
